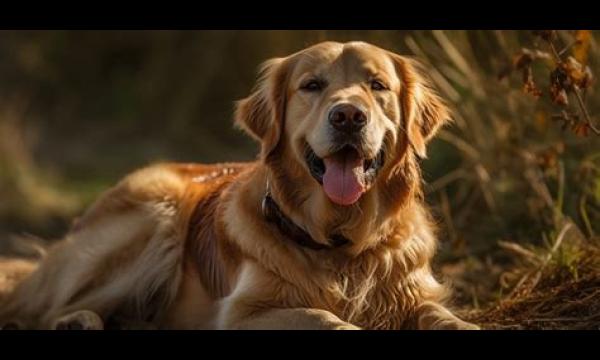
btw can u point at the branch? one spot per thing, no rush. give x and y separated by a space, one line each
575 89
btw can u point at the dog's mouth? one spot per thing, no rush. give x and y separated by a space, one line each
345 174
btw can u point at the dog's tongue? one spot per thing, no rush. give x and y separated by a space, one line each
342 178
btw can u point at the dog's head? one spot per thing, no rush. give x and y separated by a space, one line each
339 119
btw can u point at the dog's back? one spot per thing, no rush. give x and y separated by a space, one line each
123 255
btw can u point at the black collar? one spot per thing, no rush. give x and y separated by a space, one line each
289 229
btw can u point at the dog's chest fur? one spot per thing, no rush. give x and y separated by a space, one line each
378 289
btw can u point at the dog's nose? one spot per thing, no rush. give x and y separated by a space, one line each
347 118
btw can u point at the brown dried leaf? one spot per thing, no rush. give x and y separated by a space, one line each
529 86
527 56
559 97
559 84
523 60
581 129
582 45
578 74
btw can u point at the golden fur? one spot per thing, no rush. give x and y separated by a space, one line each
186 245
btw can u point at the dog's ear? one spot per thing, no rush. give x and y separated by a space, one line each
423 110
262 113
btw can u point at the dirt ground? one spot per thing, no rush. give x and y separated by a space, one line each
550 294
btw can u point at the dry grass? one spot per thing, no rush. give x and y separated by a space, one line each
521 205
562 294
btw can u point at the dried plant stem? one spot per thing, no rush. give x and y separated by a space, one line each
518 249
552 251
567 48
576 91
584 111
460 144
447 213
450 177
585 217
538 273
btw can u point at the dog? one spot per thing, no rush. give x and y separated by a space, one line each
327 229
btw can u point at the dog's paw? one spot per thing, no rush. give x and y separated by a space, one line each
80 320
454 324
467 326
346 326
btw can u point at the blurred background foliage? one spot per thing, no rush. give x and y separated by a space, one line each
80 109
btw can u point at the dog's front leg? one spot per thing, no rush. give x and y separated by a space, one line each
433 316
288 319
252 306
79 320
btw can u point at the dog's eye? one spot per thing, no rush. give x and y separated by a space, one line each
377 85
312 85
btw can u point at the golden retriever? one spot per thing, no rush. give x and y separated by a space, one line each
327 229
